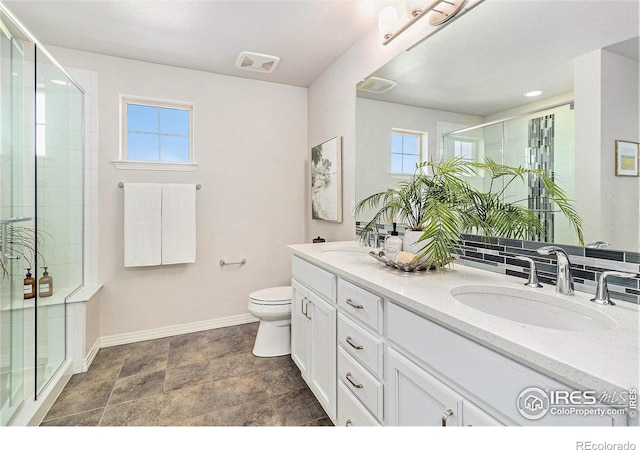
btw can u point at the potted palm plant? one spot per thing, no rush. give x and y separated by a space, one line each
405 204
451 205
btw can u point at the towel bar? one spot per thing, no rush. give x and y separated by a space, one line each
121 185
242 262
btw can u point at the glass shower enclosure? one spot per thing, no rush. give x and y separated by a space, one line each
542 140
41 214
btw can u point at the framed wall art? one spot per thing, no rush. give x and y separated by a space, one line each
326 181
627 154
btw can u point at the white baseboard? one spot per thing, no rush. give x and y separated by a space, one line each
91 355
174 330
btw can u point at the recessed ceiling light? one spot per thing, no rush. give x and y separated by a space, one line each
533 93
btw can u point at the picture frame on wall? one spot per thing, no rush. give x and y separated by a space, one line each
627 155
326 181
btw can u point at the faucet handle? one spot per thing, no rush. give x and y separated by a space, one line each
597 244
533 272
602 291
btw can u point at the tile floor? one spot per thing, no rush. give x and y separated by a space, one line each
208 378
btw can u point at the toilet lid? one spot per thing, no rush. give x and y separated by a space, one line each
272 295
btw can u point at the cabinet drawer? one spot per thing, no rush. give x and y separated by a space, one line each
351 413
358 303
362 345
476 368
314 277
361 383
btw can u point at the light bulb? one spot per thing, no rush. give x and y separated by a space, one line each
387 21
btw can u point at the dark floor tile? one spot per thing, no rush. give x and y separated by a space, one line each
238 391
231 365
283 379
297 408
324 422
181 404
137 386
83 419
256 413
72 401
228 345
206 378
143 412
205 420
187 375
188 349
140 362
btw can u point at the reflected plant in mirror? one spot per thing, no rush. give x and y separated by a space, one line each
440 201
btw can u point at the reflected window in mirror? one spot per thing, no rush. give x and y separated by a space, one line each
406 151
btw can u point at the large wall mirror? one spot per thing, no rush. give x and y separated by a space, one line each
460 92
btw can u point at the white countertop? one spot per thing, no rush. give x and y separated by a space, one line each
605 360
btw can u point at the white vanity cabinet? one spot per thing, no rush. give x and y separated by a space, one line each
371 361
313 331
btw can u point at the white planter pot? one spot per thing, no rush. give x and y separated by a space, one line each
409 243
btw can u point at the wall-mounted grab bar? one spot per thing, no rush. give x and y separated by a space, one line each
121 185
242 262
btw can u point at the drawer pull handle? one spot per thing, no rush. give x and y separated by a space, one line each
355 385
353 305
348 423
302 306
445 416
350 342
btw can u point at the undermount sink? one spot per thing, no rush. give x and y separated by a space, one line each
532 308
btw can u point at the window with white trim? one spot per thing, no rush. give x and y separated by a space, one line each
156 131
405 152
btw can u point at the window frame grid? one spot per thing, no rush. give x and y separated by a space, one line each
125 101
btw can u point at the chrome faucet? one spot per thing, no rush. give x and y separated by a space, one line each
564 277
602 291
373 240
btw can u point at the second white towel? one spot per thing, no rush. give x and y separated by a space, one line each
178 223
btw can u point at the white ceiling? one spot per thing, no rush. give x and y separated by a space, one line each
308 35
485 61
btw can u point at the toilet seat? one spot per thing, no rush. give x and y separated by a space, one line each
280 295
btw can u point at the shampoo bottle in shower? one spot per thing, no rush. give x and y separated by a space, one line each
45 284
29 285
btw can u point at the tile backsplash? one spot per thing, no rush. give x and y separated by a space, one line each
498 255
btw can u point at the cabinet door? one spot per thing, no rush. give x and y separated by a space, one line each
322 367
415 397
472 416
300 327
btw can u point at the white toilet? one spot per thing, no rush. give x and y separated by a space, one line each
273 307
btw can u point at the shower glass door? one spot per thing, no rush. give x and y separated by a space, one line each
16 167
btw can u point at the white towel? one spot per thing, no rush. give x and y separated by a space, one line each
142 226
178 223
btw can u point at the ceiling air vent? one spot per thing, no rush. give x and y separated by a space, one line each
376 85
257 62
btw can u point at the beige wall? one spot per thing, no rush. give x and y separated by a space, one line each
250 139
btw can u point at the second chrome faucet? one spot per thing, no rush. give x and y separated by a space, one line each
564 276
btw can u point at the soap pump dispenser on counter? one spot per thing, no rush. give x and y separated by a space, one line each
393 244
45 284
29 285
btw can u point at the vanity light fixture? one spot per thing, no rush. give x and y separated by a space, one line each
533 93
441 11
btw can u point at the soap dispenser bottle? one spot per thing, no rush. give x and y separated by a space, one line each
29 285
45 284
393 244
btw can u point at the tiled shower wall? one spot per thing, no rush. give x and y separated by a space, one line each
498 255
